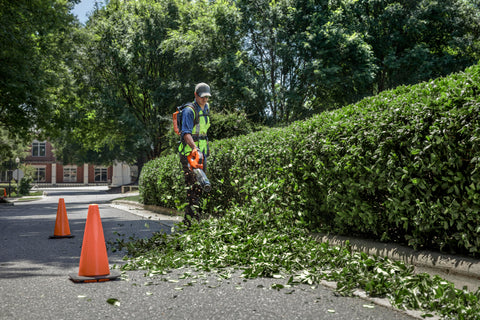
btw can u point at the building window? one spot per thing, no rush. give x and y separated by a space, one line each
40 175
38 149
100 174
69 174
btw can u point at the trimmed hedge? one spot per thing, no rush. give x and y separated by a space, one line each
401 166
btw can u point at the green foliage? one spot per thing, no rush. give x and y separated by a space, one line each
105 91
138 61
129 77
413 41
34 44
304 61
401 166
25 185
114 83
10 147
161 174
230 124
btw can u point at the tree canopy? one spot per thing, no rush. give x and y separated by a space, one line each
34 51
105 91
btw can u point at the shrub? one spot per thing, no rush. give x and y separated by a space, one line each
24 187
229 125
400 166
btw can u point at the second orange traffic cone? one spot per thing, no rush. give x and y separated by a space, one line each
62 228
93 259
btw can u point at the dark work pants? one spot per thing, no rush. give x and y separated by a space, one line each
194 191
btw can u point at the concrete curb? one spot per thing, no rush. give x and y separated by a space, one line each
167 217
151 208
445 264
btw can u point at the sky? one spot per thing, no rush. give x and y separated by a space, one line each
84 8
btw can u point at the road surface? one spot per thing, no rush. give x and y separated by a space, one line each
34 281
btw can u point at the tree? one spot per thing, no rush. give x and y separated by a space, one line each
304 62
339 65
10 148
142 60
125 81
275 61
413 40
31 62
315 55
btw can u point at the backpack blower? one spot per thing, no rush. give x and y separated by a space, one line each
196 166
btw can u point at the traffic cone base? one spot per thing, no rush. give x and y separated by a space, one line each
62 228
83 279
93 259
61 237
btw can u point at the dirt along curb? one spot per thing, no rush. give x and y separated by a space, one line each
461 271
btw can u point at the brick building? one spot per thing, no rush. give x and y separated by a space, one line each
48 171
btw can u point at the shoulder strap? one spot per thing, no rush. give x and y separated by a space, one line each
196 118
206 112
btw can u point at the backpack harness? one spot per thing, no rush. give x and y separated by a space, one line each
177 122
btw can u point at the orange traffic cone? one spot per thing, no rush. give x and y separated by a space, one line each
62 229
4 192
93 259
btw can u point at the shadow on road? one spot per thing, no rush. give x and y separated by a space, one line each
25 228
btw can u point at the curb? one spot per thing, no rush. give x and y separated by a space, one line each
448 264
152 208
167 216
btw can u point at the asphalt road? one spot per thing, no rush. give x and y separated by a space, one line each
34 269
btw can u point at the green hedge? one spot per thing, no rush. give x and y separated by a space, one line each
400 166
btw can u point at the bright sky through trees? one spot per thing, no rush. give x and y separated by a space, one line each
84 9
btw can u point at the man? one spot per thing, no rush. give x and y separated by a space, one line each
195 123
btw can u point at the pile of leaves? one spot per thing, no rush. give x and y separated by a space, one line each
262 245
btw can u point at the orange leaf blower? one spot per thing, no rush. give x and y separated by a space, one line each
196 165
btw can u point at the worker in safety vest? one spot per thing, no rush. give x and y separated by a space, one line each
194 127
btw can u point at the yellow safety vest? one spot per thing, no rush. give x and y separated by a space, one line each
199 132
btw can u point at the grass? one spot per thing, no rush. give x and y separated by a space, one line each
135 198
